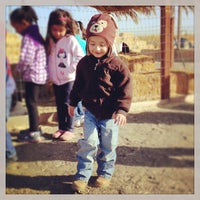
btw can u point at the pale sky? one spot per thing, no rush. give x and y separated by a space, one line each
146 25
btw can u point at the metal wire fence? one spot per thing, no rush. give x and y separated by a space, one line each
141 41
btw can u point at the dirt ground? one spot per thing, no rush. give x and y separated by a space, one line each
155 153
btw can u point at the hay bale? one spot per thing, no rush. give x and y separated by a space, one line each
138 63
13 44
182 81
146 86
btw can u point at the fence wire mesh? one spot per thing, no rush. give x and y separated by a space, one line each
138 44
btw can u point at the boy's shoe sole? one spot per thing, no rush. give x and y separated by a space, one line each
79 186
102 182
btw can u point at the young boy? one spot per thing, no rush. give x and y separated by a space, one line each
103 83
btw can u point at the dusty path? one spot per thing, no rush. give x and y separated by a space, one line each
155 154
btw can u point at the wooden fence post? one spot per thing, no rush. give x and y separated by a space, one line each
166 50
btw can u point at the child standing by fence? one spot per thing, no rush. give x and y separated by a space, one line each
79 34
64 52
32 66
11 154
103 83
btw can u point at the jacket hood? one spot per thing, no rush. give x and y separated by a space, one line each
33 32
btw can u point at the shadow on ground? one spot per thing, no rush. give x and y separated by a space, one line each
131 156
54 184
161 118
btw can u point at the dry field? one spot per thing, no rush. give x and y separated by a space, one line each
155 153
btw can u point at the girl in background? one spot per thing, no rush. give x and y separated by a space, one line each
80 36
32 65
64 52
11 154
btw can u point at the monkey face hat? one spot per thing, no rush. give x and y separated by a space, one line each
102 25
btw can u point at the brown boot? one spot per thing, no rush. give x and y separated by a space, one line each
102 182
79 186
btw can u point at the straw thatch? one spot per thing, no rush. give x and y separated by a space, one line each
187 9
131 11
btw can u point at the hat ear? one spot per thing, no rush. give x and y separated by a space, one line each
114 20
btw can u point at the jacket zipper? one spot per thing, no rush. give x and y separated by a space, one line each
97 64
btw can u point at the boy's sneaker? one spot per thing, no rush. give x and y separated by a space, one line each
79 186
102 182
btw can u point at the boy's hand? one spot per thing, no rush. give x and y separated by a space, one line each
120 119
71 111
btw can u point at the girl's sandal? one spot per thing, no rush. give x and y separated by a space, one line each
66 136
57 134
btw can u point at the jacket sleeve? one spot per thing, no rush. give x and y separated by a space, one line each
27 54
124 90
75 96
77 53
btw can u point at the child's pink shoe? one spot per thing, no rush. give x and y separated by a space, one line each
67 135
57 134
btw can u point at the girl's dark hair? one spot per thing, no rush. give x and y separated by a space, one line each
26 13
59 17
82 29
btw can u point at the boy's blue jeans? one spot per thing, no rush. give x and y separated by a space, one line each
102 134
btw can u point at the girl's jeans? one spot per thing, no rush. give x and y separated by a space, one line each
104 134
62 92
10 149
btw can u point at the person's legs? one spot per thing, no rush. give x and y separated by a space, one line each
10 149
79 111
69 119
31 96
108 143
88 148
65 122
79 115
60 105
33 134
86 154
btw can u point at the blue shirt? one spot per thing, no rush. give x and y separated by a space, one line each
82 43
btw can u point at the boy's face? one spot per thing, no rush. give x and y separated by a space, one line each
58 31
97 46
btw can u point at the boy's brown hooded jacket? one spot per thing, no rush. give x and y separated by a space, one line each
103 85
